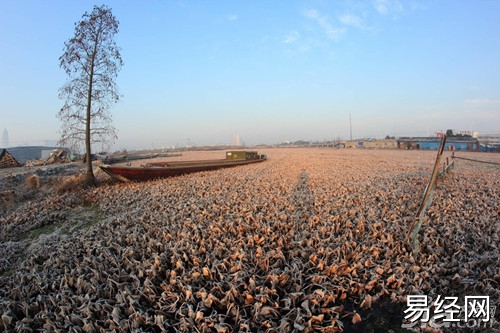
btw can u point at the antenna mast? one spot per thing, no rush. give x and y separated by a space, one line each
350 126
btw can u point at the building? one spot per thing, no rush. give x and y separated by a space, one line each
236 140
7 160
433 143
5 138
23 154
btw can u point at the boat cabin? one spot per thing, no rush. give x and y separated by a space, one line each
242 155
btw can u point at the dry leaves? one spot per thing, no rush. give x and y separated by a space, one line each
277 246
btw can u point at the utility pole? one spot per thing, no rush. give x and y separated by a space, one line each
350 126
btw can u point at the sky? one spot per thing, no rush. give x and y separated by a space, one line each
201 72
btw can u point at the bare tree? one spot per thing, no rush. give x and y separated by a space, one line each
92 61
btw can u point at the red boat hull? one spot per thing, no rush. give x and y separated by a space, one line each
169 169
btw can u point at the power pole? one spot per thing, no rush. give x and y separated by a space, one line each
350 126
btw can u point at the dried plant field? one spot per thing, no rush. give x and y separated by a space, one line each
310 240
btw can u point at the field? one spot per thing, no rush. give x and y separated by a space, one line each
310 240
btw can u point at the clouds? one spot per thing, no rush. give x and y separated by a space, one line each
323 21
351 20
319 29
386 7
337 25
485 111
292 37
232 17
482 102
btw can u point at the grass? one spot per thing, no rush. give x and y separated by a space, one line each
66 221
76 219
8 273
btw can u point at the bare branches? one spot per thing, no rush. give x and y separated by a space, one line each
92 61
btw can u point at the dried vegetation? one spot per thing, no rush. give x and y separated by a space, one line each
310 240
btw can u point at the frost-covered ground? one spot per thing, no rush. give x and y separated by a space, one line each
310 240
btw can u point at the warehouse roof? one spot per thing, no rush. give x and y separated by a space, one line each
29 153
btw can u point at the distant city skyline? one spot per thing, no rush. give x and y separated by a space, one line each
267 71
236 141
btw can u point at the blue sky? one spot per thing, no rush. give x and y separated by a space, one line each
269 71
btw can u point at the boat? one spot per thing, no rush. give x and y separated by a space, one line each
127 173
128 158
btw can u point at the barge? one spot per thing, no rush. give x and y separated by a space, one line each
170 169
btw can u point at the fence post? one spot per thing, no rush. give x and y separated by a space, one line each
426 200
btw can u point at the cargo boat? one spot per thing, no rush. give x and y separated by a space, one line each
169 169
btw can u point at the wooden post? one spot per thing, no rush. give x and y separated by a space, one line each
426 200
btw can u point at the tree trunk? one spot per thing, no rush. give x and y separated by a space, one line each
90 179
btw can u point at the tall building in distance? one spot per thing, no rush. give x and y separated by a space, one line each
236 140
51 143
5 139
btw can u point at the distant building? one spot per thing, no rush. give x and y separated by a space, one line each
468 133
236 140
51 143
5 138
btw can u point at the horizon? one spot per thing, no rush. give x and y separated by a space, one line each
202 73
483 139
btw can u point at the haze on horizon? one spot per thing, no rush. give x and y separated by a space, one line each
200 72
